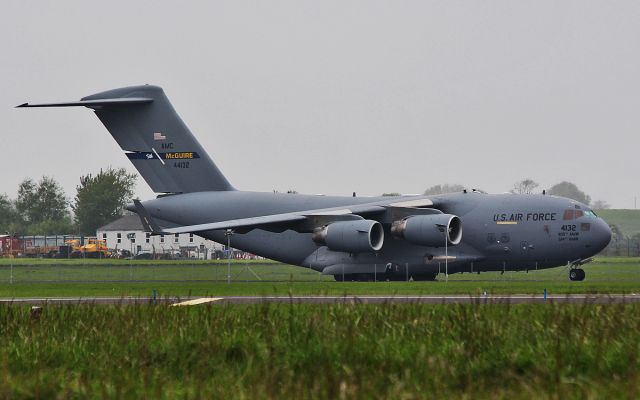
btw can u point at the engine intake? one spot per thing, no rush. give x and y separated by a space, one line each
429 230
361 236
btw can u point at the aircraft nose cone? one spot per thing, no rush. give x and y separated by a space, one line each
602 235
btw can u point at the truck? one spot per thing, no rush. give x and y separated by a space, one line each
93 248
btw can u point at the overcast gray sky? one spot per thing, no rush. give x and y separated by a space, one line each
338 96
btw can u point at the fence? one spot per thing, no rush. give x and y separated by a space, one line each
625 247
135 272
45 271
52 246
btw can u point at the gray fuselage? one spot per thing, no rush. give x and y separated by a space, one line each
500 232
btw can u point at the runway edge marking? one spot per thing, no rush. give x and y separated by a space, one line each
194 302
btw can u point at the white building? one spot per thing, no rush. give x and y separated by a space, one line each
127 233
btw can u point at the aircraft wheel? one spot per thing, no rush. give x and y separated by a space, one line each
573 274
424 277
577 274
347 277
363 277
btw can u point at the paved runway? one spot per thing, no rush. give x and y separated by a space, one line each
364 299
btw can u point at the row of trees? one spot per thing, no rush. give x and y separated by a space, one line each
43 208
564 189
529 186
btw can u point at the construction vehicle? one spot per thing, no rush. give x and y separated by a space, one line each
93 248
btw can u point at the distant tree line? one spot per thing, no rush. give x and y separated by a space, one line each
42 208
529 186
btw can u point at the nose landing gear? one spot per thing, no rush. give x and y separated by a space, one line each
576 274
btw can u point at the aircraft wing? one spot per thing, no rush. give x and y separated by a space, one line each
244 223
301 221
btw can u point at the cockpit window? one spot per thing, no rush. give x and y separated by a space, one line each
570 214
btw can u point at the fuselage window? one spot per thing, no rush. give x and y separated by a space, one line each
579 213
505 238
568 215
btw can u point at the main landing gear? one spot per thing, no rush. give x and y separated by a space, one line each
383 277
576 274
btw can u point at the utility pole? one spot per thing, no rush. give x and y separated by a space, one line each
445 230
446 255
11 256
228 234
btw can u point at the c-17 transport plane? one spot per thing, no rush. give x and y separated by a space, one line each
351 238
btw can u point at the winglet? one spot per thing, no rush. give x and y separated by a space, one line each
148 223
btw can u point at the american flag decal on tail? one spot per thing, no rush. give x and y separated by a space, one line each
159 136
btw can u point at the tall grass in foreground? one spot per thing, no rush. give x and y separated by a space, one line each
321 351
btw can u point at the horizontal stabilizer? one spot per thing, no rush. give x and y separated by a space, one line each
98 103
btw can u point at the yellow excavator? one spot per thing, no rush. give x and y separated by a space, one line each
93 248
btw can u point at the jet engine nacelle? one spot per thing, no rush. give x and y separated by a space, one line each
361 236
429 230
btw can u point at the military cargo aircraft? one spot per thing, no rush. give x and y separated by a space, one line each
351 238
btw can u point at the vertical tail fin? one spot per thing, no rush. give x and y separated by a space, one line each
161 147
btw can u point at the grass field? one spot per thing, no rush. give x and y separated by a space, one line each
395 351
321 351
627 220
54 278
